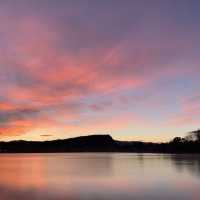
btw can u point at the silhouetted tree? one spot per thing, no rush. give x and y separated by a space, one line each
177 140
193 136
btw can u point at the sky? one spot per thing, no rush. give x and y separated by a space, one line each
129 68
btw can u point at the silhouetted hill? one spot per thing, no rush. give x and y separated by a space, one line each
92 143
98 143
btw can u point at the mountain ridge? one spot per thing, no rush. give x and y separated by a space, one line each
97 143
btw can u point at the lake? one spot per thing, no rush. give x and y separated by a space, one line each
99 176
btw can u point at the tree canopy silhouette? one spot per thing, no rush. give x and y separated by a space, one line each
194 136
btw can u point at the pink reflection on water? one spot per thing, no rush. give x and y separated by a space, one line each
97 176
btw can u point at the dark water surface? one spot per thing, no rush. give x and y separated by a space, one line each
99 176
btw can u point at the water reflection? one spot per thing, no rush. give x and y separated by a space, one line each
187 162
99 176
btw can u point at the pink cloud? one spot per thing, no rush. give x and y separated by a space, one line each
48 66
189 113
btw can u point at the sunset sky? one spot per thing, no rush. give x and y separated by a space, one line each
129 68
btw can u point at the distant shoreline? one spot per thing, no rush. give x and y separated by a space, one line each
99 144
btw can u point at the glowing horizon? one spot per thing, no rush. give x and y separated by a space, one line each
125 68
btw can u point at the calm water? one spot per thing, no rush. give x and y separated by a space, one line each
99 176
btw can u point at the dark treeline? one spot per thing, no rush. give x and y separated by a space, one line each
104 143
188 144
